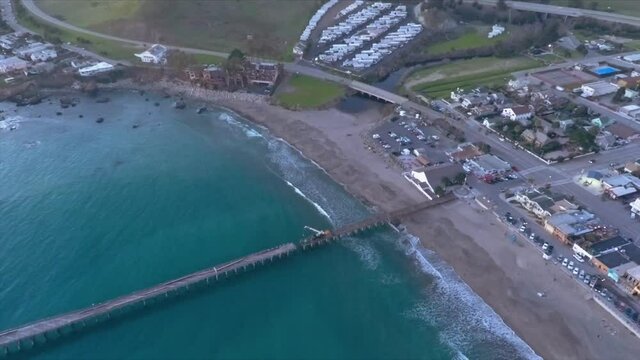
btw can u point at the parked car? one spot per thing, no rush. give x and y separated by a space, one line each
576 271
545 246
532 236
570 266
376 136
523 228
565 262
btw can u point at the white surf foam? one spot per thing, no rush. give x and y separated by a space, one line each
453 306
248 130
316 205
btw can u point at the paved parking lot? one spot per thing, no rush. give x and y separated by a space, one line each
407 133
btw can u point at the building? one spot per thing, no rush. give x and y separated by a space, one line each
433 177
605 140
517 113
95 69
618 262
632 57
12 64
487 165
598 88
565 226
535 202
632 111
464 152
262 73
43 55
622 131
633 277
635 208
632 167
26 51
156 54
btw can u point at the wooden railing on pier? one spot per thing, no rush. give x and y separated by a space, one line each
26 335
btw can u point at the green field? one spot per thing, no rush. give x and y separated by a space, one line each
267 28
473 38
439 81
304 92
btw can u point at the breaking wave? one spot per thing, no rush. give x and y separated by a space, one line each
452 305
249 131
318 207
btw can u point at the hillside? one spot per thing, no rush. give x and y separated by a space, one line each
266 28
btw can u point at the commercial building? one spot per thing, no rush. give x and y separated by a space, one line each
95 69
567 225
487 165
635 208
535 202
598 88
12 64
618 262
156 54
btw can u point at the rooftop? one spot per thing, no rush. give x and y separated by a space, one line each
634 272
632 252
609 244
491 162
612 259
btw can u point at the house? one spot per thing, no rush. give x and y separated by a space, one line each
262 73
629 82
635 208
632 167
622 131
26 51
605 140
569 224
517 113
433 177
95 69
465 152
598 88
156 54
626 180
12 64
538 138
43 55
535 202
632 111
483 110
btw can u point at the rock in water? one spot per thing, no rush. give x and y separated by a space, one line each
100 120
179 104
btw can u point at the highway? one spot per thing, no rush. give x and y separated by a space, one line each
566 11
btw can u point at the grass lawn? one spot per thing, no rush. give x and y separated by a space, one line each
87 13
266 28
473 38
439 81
208 59
304 92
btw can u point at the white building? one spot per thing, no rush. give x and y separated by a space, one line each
635 208
43 55
598 88
517 113
12 64
156 54
95 69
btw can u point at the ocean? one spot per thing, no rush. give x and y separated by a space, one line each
90 211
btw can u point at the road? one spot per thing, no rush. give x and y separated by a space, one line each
566 11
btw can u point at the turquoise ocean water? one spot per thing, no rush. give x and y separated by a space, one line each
92 211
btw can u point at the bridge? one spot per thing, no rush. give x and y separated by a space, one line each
39 332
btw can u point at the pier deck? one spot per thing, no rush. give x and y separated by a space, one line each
30 332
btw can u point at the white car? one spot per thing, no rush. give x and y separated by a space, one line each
376 136
576 271
570 266
545 246
565 262
392 134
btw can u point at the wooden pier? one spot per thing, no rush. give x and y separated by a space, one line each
27 336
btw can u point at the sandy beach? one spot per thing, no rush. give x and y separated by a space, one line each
564 324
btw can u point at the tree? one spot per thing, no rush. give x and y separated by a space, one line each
446 181
501 5
439 190
235 61
593 5
460 178
619 95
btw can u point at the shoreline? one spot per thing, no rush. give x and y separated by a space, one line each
333 141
